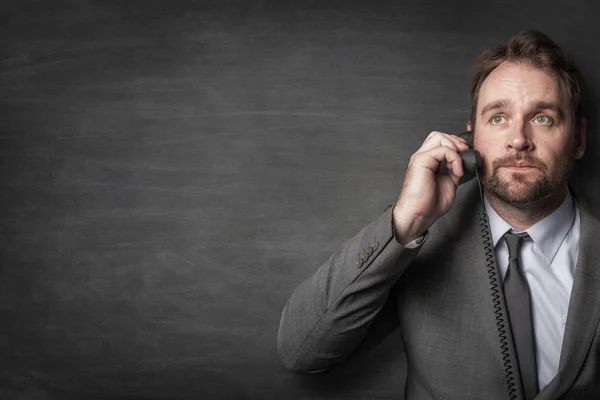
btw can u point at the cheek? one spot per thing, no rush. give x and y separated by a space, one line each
554 163
489 153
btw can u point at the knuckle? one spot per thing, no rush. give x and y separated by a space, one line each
432 135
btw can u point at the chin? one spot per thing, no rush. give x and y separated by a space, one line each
520 191
522 199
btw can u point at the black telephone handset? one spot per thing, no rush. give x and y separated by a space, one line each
471 160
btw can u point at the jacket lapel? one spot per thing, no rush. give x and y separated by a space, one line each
584 304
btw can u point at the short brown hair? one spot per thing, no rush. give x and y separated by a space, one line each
535 49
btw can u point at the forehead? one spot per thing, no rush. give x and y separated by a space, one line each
521 85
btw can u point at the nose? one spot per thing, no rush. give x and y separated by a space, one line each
518 139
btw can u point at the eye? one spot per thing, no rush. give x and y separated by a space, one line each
543 120
497 119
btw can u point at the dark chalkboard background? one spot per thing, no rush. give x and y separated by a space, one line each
170 171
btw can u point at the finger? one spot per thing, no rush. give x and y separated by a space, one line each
458 139
456 170
432 159
436 139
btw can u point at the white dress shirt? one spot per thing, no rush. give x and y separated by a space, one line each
549 260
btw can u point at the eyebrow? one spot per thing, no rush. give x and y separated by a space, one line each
538 105
495 105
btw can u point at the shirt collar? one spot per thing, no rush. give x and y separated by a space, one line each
547 234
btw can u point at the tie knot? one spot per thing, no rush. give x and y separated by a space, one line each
514 240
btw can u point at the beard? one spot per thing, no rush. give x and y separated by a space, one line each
520 191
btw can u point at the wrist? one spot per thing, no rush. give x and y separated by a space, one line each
405 229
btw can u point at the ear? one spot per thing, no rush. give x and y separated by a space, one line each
469 125
580 140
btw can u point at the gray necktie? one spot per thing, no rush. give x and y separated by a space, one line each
518 304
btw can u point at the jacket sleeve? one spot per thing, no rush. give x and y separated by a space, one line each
343 305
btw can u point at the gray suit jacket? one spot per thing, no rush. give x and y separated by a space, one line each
440 297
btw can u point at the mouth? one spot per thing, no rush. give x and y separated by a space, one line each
521 168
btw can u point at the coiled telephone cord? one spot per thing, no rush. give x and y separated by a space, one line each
495 288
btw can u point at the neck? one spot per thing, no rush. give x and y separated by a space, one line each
523 217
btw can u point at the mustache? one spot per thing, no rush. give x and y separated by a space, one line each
512 160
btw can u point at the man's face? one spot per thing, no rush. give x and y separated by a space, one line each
525 134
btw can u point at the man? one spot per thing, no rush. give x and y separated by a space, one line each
514 318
